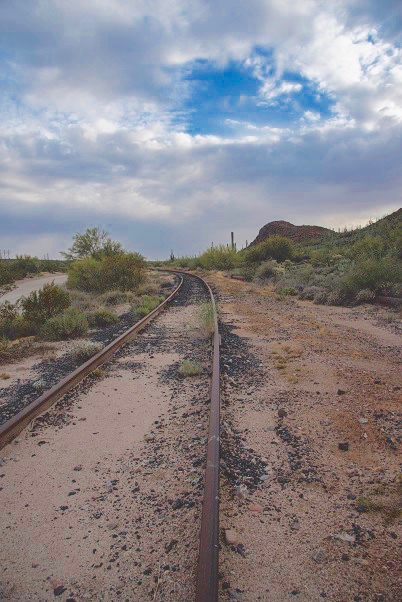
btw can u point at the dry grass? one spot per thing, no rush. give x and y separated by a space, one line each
189 368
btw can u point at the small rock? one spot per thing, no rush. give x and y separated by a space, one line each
231 537
255 508
363 420
295 525
282 413
77 468
264 477
377 381
111 526
241 492
341 392
319 556
345 557
59 590
170 546
343 446
2 462
177 504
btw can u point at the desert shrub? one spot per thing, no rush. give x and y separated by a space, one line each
41 305
220 257
336 298
268 269
287 291
310 292
148 288
17 328
365 296
16 350
372 274
113 297
68 325
146 305
125 272
6 276
321 298
82 300
368 246
25 264
102 317
274 247
85 350
189 368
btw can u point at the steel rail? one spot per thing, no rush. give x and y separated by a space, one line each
208 558
12 427
208 555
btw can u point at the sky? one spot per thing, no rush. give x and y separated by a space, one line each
171 123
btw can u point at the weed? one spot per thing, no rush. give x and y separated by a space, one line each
189 368
145 305
4 376
85 350
68 325
102 317
113 297
98 372
206 320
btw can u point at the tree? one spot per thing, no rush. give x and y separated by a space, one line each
93 243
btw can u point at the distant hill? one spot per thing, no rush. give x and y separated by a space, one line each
295 233
316 235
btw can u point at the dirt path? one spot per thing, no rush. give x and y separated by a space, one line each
27 285
101 498
310 489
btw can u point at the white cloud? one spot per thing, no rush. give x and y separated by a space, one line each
98 129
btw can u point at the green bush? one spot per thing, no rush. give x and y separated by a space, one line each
124 272
41 305
68 325
372 274
274 247
102 317
218 257
144 305
266 270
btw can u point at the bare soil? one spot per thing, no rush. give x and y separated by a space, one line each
311 493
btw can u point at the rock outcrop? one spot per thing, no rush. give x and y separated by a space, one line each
289 230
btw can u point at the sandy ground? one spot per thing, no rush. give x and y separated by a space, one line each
299 382
101 497
27 285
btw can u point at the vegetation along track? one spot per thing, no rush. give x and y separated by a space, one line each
123 478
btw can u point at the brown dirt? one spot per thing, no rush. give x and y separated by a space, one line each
333 375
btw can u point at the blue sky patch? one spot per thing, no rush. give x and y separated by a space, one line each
218 96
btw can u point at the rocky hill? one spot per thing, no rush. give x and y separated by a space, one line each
295 233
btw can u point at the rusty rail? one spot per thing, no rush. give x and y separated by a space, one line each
208 558
10 429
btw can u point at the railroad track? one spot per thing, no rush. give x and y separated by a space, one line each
206 589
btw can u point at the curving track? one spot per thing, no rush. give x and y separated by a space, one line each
190 291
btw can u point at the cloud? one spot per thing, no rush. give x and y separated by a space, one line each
185 121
